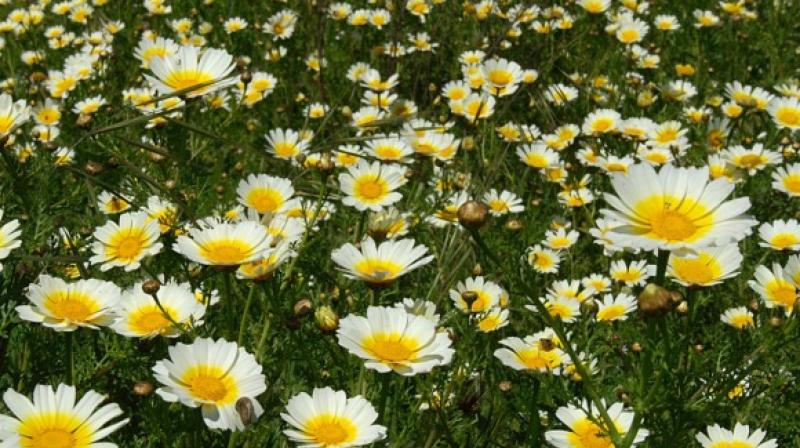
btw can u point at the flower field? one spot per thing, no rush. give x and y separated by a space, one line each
399 223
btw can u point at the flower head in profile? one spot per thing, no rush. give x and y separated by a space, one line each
328 418
127 243
392 339
380 264
224 244
189 66
54 419
540 352
212 375
674 208
584 428
66 306
705 267
740 437
139 316
12 114
9 238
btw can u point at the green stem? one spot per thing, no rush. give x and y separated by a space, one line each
661 267
71 358
245 315
536 424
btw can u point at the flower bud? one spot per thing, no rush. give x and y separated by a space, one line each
473 214
327 319
151 286
654 299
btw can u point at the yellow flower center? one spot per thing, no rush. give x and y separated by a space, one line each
792 183
150 320
788 116
603 124
186 78
54 430
536 161
48 116
331 430
377 270
500 77
152 52
370 188
559 310
629 35
784 240
265 199
594 6
742 320
210 384
226 252
286 149
673 219
782 293
127 244
611 312
391 348
536 358
391 152
750 161
616 167
490 323
700 270
587 434
6 122
71 306
733 444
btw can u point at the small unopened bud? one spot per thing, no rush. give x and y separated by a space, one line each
682 308
473 214
301 159
83 120
142 388
636 347
244 407
327 319
654 299
93 167
547 344
151 286
170 184
504 386
303 307
514 224
698 348
775 321
220 189
246 76
468 143
469 297
477 271
326 163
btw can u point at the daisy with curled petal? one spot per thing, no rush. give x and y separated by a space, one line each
285 143
213 375
775 287
705 267
66 306
492 320
674 208
264 193
787 179
503 203
543 260
634 274
139 316
392 339
112 203
739 318
328 418
263 268
560 239
205 69
224 244
380 264
538 353
147 49
785 112
392 149
780 235
12 114
9 238
741 437
127 243
614 308
538 156
53 419
585 430
371 185
476 295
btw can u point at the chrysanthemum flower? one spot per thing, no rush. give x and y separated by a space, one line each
53 419
675 208
705 267
271 260
110 203
779 235
391 339
739 318
127 243
265 194
12 114
9 238
328 419
476 295
371 185
285 143
212 375
66 306
560 239
601 121
585 432
224 244
189 67
719 437
543 260
614 308
502 76
538 156
139 316
147 49
492 320
787 179
776 287
785 112
634 274
595 6
752 159
538 352
380 264
389 149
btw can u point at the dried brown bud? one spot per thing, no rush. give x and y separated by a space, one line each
143 388
93 167
654 299
244 407
473 214
151 286
302 307
775 321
